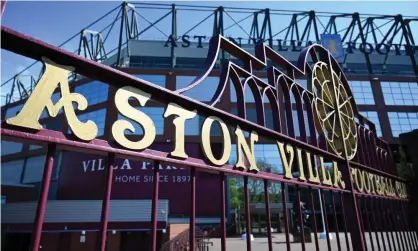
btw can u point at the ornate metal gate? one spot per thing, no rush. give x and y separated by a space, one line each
374 213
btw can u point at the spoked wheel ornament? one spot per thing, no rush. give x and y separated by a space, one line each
334 116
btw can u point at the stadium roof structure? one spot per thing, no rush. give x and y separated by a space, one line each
104 40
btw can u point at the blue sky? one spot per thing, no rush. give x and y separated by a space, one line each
54 22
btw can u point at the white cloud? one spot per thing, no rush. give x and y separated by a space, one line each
20 68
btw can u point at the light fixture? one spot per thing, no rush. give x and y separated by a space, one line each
83 232
164 231
375 78
114 232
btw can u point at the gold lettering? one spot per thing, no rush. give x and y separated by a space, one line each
207 150
390 184
118 128
384 187
300 164
338 181
242 145
365 180
398 189
359 184
325 173
402 189
387 191
286 164
371 182
313 176
181 116
378 185
40 99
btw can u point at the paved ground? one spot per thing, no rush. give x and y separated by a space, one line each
279 243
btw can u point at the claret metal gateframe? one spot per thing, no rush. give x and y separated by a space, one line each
361 175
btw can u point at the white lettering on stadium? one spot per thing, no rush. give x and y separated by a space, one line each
99 165
150 179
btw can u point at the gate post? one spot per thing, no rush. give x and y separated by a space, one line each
409 140
43 197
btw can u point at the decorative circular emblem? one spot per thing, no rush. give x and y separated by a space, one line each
334 116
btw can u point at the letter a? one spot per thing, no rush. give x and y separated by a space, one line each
41 98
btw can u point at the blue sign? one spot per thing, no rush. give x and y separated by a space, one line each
332 42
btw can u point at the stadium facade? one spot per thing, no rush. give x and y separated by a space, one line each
382 76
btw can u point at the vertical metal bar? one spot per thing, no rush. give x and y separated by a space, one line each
302 232
404 223
154 212
122 19
314 218
325 218
363 230
101 244
173 32
268 217
386 226
223 214
394 225
404 237
369 226
336 221
192 227
286 219
43 197
345 222
390 225
3 6
247 213
374 223
381 223
413 228
408 227
408 43
397 226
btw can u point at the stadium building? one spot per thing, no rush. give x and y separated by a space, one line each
381 69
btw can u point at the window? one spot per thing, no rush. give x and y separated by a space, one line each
248 94
95 92
372 116
34 169
249 97
267 154
54 124
155 113
98 117
55 97
362 92
296 123
9 147
35 166
13 111
34 147
304 84
401 122
252 116
155 79
203 92
11 172
194 126
400 93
